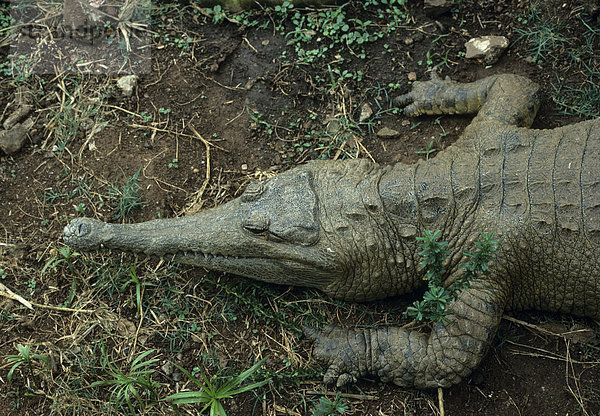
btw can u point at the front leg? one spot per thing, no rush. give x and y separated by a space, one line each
508 98
410 358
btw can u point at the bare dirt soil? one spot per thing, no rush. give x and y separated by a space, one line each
224 104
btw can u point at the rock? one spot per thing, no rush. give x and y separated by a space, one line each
488 48
435 8
387 133
12 140
365 113
17 115
79 16
412 76
127 84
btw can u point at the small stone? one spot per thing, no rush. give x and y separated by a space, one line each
412 76
408 41
244 166
176 376
167 368
127 84
488 48
387 133
196 170
365 113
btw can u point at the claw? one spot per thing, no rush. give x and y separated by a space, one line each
331 376
434 75
345 379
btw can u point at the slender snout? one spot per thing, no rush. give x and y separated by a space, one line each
82 233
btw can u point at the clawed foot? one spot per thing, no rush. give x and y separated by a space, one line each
333 348
421 99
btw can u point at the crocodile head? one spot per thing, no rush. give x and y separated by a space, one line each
312 226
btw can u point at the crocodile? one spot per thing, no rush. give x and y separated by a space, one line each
350 228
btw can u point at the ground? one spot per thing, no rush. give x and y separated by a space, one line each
226 102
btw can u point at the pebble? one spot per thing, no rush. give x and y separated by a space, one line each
167 368
127 84
365 113
388 133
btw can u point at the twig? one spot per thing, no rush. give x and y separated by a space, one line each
569 369
546 354
7 293
345 395
441 401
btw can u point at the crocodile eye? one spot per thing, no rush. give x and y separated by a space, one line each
253 191
257 226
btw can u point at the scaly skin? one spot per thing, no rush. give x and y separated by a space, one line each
349 228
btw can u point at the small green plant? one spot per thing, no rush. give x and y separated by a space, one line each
139 285
80 208
213 391
133 386
31 285
174 164
216 12
163 110
257 117
126 196
428 150
433 307
26 358
62 255
2 274
326 407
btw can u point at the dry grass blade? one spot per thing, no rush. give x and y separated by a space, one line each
196 204
571 376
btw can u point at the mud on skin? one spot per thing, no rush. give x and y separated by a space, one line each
349 229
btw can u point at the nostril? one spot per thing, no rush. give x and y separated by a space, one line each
77 228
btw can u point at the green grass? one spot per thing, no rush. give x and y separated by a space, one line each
125 197
583 101
543 34
214 390
132 390
26 359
